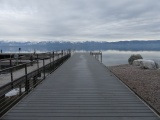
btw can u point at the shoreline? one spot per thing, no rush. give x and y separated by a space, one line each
143 82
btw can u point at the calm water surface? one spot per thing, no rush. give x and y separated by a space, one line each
114 57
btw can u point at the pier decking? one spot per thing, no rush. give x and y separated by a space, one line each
81 89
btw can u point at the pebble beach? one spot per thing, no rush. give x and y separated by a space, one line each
144 82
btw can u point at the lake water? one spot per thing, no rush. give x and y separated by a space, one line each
114 57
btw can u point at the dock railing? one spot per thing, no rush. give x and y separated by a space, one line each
97 55
25 83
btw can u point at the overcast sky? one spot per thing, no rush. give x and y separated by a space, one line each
79 20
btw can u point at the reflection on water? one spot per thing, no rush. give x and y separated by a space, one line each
113 57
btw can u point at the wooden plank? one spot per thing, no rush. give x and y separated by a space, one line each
77 118
83 89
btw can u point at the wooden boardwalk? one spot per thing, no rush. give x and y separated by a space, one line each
81 89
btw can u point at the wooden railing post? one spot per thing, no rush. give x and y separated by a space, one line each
20 89
44 69
62 53
53 61
50 58
37 64
27 82
34 81
11 70
101 57
53 56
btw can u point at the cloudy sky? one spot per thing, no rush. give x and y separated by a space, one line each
79 20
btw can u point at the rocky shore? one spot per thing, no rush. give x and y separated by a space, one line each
145 82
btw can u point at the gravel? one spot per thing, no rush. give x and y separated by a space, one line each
145 82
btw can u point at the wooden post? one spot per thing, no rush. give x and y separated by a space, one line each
53 56
50 58
62 52
37 62
53 60
0 64
34 81
101 56
11 70
27 82
20 89
44 68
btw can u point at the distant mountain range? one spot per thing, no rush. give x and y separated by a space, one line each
88 46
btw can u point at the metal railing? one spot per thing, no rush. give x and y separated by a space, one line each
97 55
28 81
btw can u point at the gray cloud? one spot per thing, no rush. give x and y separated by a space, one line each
79 20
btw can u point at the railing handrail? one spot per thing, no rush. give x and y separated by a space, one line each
97 53
9 68
5 59
19 57
22 64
